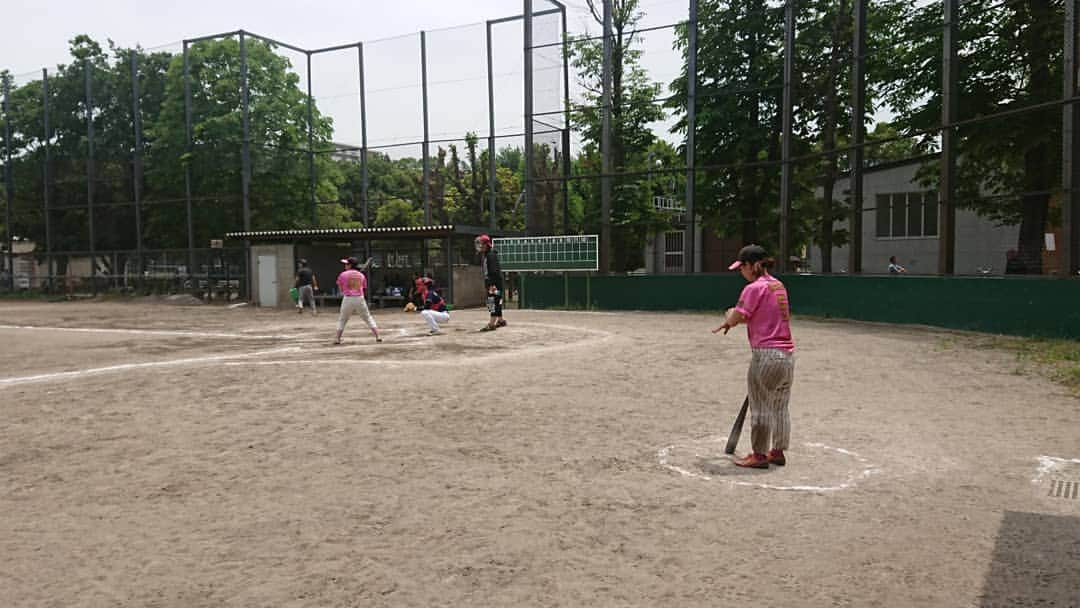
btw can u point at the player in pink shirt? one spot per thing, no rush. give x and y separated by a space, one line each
353 284
764 308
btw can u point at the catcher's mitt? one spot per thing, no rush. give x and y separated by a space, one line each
410 307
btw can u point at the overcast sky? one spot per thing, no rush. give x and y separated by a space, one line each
36 35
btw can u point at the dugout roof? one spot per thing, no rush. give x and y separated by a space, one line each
354 234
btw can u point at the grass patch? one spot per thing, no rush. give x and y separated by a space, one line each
1057 359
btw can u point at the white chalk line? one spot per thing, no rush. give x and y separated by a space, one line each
1050 464
230 359
156 332
664 454
405 335
5 382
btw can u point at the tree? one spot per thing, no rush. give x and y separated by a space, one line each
632 110
738 119
1012 58
279 188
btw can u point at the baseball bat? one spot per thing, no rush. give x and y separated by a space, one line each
736 429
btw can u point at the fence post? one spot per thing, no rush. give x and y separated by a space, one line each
691 126
947 194
786 170
45 188
427 135
1070 175
137 164
492 220
858 134
90 173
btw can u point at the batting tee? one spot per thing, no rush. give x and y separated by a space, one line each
565 254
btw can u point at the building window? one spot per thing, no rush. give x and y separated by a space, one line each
673 251
907 215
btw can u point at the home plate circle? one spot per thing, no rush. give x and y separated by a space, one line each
812 467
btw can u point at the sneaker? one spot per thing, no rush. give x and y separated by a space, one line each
488 328
300 310
776 457
378 339
753 460
501 323
434 332
337 341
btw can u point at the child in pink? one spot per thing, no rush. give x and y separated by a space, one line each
353 284
764 308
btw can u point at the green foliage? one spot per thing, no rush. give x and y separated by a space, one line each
633 216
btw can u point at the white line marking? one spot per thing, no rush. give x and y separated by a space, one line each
1049 464
664 454
157 332
4 382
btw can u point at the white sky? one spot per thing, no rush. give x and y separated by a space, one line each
36 35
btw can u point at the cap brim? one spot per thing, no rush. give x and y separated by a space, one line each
344 261
735 265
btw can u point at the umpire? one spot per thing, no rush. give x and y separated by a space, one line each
493 281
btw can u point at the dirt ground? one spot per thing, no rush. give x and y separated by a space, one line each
158 455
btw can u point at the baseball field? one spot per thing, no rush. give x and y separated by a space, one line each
187 456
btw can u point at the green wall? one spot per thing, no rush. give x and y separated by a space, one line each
1015 305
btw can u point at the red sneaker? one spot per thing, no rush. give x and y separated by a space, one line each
753 460
776 457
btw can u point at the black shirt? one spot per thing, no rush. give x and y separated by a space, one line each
304 276
489 263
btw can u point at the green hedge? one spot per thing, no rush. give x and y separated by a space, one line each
1015 305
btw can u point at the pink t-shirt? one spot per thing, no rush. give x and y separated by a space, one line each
764 303
352 282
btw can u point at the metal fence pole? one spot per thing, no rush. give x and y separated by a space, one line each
427 138
691 128
363 151
858 134
90 173
566 122
311 147
45 188
1070 230
947 194
786 170
190 155
605 146
492 184
245 157
528 68
137 168
9 187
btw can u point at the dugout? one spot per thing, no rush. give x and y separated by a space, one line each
443 252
